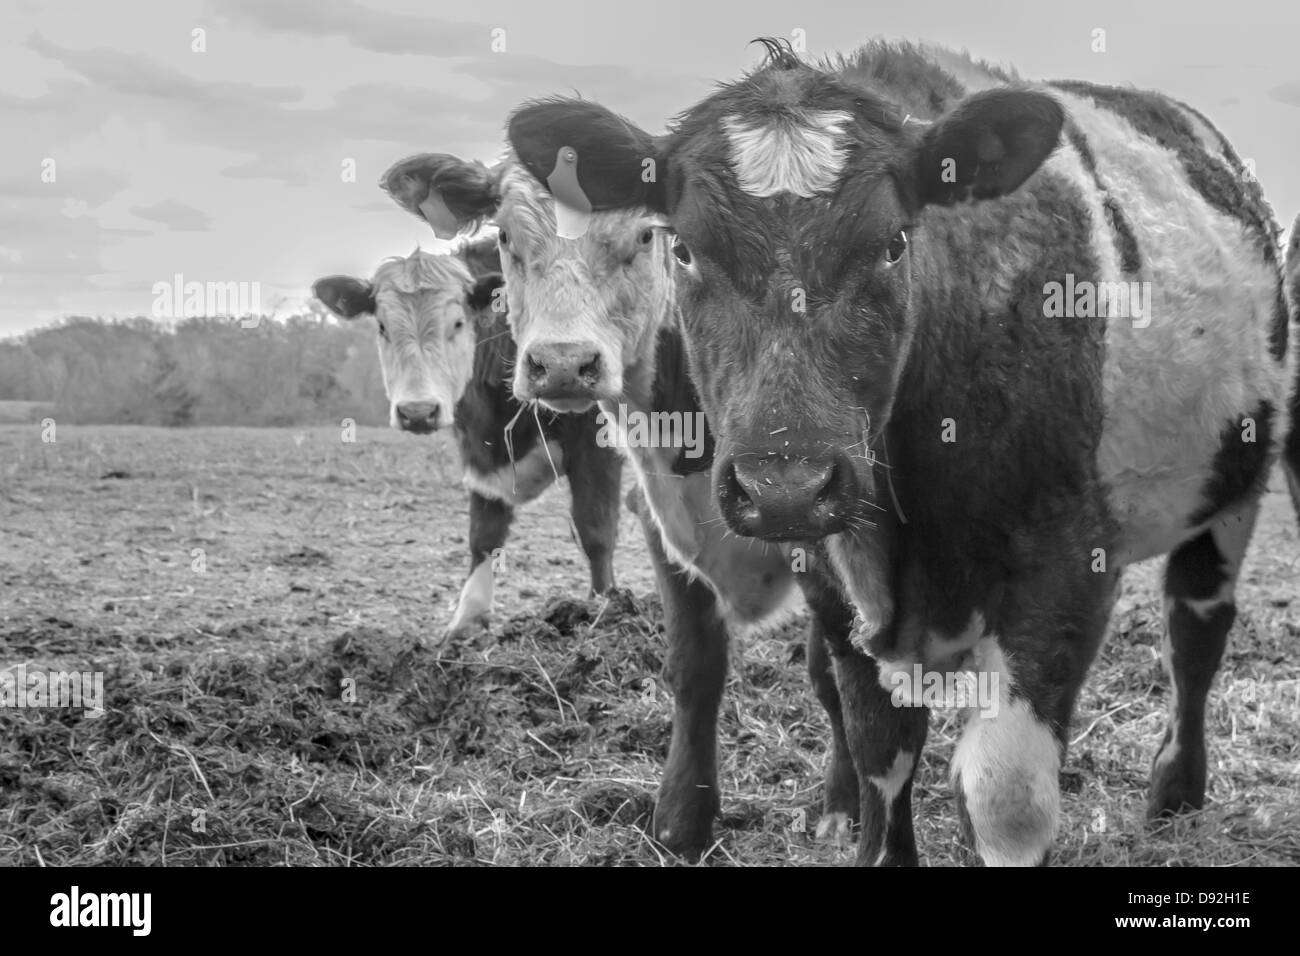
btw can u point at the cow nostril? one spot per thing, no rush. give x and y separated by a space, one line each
535 368
831 487
734 489
590 368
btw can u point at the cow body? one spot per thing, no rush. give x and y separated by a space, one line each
610 299
1026 393
509 455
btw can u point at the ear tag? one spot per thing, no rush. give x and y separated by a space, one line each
437 215
572 208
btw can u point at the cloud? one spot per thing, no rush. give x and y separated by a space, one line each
174 215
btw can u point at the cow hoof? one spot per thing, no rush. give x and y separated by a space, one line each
685 826
835 828
1177 784
1172 801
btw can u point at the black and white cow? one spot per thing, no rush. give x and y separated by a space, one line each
606 302
1035 332
446 354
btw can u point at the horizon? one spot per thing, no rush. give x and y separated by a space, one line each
250 153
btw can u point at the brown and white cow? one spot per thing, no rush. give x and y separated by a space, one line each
596 321
1036 331
446 354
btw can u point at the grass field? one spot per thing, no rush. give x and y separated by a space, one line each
257 599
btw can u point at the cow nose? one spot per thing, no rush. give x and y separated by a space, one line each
418 417
785 497
563 370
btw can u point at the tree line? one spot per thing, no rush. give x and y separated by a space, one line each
304 370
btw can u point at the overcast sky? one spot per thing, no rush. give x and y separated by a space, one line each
225 165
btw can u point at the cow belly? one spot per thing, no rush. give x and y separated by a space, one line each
1174 379
521 482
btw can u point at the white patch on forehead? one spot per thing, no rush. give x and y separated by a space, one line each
802 157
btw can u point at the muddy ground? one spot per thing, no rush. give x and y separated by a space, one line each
263 605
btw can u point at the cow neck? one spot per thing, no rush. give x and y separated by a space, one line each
488 406
666 476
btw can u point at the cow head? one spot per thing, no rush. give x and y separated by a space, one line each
793 196
424 308
584 311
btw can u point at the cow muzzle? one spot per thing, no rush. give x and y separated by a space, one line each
563 376
785 497
421 418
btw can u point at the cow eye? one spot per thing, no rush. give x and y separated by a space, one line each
897 246
460 324
647 236
383 332
682 253
503 237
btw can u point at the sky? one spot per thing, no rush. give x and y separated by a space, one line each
216 139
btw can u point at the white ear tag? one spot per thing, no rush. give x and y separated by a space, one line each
572 208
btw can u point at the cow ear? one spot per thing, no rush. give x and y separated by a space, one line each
345 296
447 192
618 163
987 146
483 294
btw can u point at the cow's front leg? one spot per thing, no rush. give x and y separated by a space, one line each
830 623
595 474
696 669
489 524
885 741
1006 767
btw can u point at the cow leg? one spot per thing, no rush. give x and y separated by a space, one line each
695 668
1006 765
885 741
1291 451
594 477
489 524
831 620
1200 579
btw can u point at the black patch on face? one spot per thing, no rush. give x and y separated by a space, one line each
1239 466
1223 187
1125 241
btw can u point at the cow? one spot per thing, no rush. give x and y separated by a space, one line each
446 352
918 290
596 321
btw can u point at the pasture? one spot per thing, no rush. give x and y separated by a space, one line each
257 599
